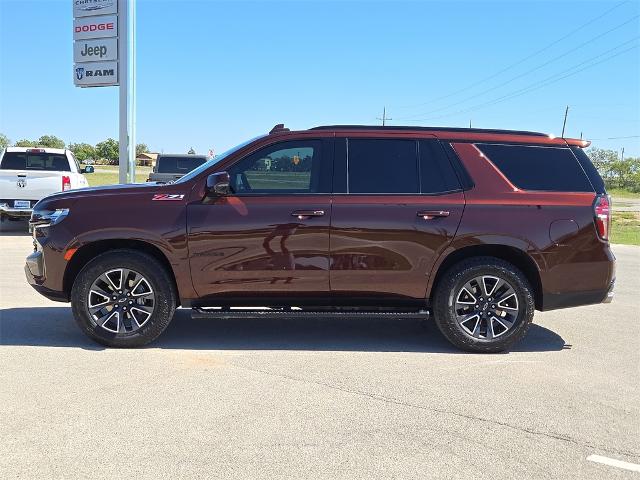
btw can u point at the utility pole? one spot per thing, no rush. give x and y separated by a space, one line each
384 116
622 159
564 124
469 123
127 81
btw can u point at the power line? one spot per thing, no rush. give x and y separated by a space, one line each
521 61
517 77
616 138
542 83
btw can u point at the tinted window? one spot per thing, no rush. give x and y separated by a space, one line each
35 161
178 164
288 167
539 168
590 169
382 166
436 173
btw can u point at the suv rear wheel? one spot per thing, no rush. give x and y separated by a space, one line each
484 304
123 298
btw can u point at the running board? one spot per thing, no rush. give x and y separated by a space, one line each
246 313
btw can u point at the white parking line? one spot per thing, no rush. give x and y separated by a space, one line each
612 462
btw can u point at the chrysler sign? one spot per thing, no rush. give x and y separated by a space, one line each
85 8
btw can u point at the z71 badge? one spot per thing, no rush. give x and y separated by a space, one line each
167 196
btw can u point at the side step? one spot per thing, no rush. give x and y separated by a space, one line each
245 313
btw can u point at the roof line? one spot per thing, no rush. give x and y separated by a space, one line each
432 129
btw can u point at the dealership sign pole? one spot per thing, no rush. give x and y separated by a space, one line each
104 55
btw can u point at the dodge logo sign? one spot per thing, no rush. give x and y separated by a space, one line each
21 183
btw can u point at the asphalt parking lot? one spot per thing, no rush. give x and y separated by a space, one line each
317 399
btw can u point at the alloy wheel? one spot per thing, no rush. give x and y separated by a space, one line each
486 307
121 301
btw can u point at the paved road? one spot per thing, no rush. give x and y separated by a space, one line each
317 399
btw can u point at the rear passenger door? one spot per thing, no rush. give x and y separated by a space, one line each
397 205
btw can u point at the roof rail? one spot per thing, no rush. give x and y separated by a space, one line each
278 128
433 129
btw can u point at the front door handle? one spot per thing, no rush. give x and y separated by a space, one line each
431 214
302 214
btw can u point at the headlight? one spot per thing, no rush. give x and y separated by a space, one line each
47 218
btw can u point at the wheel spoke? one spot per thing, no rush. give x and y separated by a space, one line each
114 317
509 296
466 292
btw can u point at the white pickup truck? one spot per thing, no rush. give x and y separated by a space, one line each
30 174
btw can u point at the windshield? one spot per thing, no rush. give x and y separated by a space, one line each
214 160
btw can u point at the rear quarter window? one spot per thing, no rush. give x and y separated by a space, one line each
552 169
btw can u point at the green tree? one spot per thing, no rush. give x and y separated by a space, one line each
82 151
108 150
191 151
26 143
50 141
4 141
141 148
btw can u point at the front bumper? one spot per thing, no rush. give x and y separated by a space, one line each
34 270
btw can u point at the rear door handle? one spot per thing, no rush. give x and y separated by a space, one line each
302 214
431 214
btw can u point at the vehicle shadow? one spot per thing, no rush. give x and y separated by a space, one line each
55 327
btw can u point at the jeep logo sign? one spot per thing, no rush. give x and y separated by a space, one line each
103 26
95 50
95 74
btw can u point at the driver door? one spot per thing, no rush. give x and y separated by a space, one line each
269 239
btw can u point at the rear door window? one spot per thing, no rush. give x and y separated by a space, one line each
553 169
35 161
382 166
179 164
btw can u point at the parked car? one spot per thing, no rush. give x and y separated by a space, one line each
30 174
169 168
477 228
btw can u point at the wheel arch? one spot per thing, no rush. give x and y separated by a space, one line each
89 251
513 255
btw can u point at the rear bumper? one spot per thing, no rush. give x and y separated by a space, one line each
15 212
554 301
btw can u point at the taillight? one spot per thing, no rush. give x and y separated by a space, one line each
66 183
602 212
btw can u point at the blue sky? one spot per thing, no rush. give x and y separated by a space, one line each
212 74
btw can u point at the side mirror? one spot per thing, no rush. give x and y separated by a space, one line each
88 169
218 184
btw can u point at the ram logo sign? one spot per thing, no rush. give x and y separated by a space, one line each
96 74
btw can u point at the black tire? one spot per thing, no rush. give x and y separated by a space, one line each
161 285
446 311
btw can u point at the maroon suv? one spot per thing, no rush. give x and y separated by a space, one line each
476 227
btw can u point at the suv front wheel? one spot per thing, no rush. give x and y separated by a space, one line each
484 304
123 298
